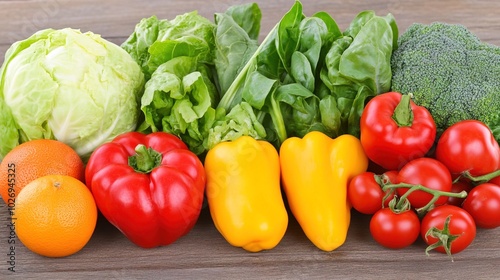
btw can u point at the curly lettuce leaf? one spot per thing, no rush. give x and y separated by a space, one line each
178 99
240 121
155 41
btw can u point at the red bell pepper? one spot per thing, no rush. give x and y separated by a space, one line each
394 130
149 186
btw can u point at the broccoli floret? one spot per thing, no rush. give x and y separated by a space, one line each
450 72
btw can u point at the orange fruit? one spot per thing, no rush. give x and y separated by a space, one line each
34 159
55 215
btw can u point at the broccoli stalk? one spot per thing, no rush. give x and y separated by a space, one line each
450 72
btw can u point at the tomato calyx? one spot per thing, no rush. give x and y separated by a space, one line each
444 237
403 114
436 194
145 159
396 204
384 180
399 205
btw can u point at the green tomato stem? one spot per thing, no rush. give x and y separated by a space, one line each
479 179
411 188
398 205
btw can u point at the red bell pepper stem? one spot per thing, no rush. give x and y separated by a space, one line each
145 159
403 114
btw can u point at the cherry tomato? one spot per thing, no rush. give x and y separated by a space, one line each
395 230
453 224
473 143
483 203
458 187
429 173
392 176
365 193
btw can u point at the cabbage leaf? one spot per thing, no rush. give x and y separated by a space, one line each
74 87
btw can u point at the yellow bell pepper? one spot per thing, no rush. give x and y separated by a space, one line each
244 193
315 173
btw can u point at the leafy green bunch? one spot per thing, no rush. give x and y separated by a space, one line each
212 82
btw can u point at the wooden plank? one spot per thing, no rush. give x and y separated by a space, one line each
115 20
203 253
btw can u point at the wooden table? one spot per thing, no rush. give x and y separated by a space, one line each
203 253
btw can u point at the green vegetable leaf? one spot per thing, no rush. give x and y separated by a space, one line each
330 116
248 17
8 129
241 120
138 43
234 49
357 66
300 109
333 29
260 88
287 40
178 99
368 57
189 34
71 86
302 71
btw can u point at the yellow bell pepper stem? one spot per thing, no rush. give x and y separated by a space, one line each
244 193
315 173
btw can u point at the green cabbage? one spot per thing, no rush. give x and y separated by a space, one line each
67 85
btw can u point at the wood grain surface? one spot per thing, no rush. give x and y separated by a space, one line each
203 253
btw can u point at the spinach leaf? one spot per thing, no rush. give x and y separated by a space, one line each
300 109
248 17
234 47
357 66
287 39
